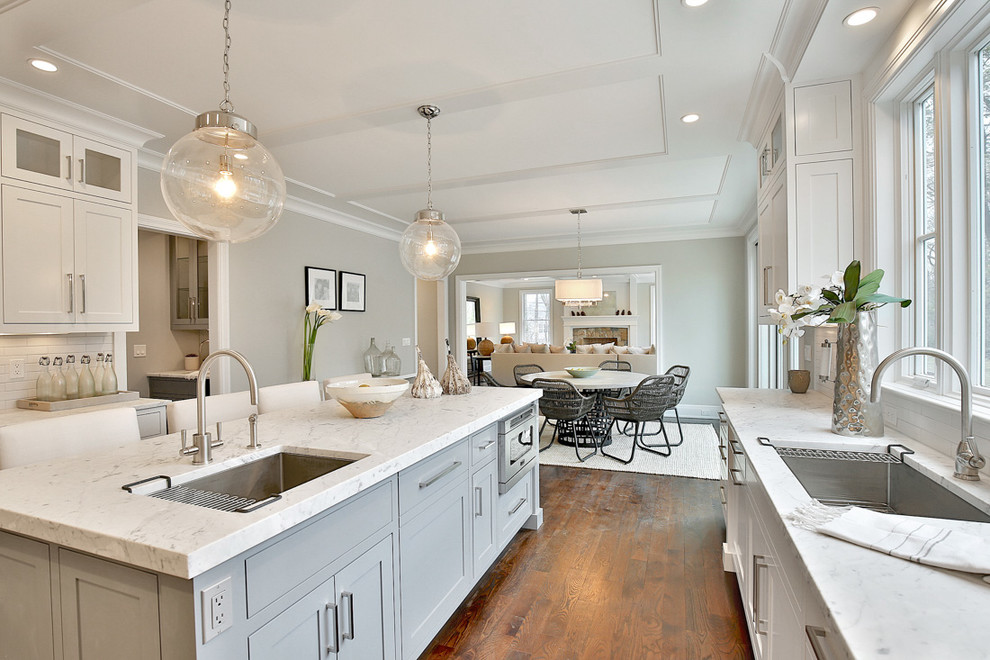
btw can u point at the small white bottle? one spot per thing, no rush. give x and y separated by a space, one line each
71 378
43 388
98 375
86 385
109 376
58 381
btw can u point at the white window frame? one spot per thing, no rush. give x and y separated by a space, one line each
522 313
920 237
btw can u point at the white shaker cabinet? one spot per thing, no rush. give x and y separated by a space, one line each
47 156
65 261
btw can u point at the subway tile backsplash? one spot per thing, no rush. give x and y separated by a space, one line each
32 347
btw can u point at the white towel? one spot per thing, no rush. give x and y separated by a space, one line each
909 538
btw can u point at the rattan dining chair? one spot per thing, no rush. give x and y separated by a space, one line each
489 379
647 403
564 404
615 365
524 370
680 374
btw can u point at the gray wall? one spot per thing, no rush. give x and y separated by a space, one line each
703 300
267 299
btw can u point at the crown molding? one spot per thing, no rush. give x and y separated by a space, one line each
601 239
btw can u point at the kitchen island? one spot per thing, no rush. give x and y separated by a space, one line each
807 595
280 568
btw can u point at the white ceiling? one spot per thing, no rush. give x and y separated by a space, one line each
545 105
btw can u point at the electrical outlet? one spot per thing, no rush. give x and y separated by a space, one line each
16 368
140 350
406 341
217 609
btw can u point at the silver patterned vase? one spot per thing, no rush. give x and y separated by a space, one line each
856 360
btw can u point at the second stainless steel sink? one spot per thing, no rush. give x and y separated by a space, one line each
881 482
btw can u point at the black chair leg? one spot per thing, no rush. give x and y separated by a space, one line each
680 431
594 443
653 448
632 453
553 435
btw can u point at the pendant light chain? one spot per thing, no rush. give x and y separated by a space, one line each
579 212
226 105
429 163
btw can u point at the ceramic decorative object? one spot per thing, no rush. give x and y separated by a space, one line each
856 360
367 398
582 372
425 386
453 380
798 380
486 347
472 344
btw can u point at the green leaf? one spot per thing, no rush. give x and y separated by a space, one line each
851 280
808 312
867 289
844 313
883 299
831 296
875 276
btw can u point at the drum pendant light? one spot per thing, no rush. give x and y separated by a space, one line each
219 181
578 292
429 247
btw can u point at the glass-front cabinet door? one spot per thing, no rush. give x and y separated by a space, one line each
190 284
40 154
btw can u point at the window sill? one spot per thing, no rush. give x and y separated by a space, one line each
946 402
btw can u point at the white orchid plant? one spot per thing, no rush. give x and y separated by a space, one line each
313 318
837 302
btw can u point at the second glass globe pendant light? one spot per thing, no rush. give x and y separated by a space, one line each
429 247
219 181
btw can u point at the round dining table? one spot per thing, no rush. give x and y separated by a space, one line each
584 431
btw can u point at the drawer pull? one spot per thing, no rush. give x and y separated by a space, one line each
347 616
486 445
735 447
517 507
721 453
331 613
721 494
432 480
816 637
722 418
732 473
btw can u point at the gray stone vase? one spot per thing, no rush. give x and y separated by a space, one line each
856 360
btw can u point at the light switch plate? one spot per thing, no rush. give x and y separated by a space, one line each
140 350
406 341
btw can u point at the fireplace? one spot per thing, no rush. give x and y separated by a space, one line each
601 335
619 329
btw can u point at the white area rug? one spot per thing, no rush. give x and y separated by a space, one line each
697 457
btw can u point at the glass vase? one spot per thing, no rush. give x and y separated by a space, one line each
856 359
372 360
307 363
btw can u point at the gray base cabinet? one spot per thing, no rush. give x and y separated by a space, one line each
375 577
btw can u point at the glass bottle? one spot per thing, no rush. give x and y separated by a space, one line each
71 378
98 375
86 385
58 381
372 361
391 364
109 376
43 388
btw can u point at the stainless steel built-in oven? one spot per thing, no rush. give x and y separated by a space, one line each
518 446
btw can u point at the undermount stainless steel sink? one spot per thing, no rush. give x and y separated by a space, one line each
881 482
249 486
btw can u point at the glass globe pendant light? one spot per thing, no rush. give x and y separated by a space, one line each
429 247
219 181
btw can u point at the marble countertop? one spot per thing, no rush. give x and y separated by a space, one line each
882 606
79 502
179 373
18 415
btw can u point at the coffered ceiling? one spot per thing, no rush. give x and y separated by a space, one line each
545 105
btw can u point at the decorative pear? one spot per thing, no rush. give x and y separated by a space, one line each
425 386
454 381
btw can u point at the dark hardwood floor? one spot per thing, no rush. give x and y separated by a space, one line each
626 566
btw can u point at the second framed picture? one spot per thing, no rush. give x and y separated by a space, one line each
352 290
321 287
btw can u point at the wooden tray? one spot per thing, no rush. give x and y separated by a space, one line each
71 404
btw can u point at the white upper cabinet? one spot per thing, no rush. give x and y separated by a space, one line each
823 118
47 156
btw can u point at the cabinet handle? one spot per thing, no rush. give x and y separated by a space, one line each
518 506
732 474
82 285
68 168
432 480
760 623
331 614
72 293
486 445
82 171
721 494
816 637
721 452
347 616
478 511
766 282
735 447
722 417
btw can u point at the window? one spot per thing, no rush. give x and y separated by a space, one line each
925 255
473 308
982 275
535 315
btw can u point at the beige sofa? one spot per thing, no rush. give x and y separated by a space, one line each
502 363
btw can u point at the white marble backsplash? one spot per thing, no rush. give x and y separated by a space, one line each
31 347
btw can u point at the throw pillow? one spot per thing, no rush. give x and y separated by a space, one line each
583 348
620 350
636 350
538 348
558 349
601 349
503 348
521 349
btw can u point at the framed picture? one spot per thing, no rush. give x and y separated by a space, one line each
321 287
351 292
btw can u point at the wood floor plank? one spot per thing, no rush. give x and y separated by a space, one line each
626 566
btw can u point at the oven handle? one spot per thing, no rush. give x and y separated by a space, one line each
530 430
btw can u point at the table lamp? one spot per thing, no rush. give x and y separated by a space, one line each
485 330
507 329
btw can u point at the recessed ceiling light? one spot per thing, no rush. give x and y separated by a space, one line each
693 3
861 16
42 65
690 118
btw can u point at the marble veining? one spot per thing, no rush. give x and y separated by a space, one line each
882 606
79 502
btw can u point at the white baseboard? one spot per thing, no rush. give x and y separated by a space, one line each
696 412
